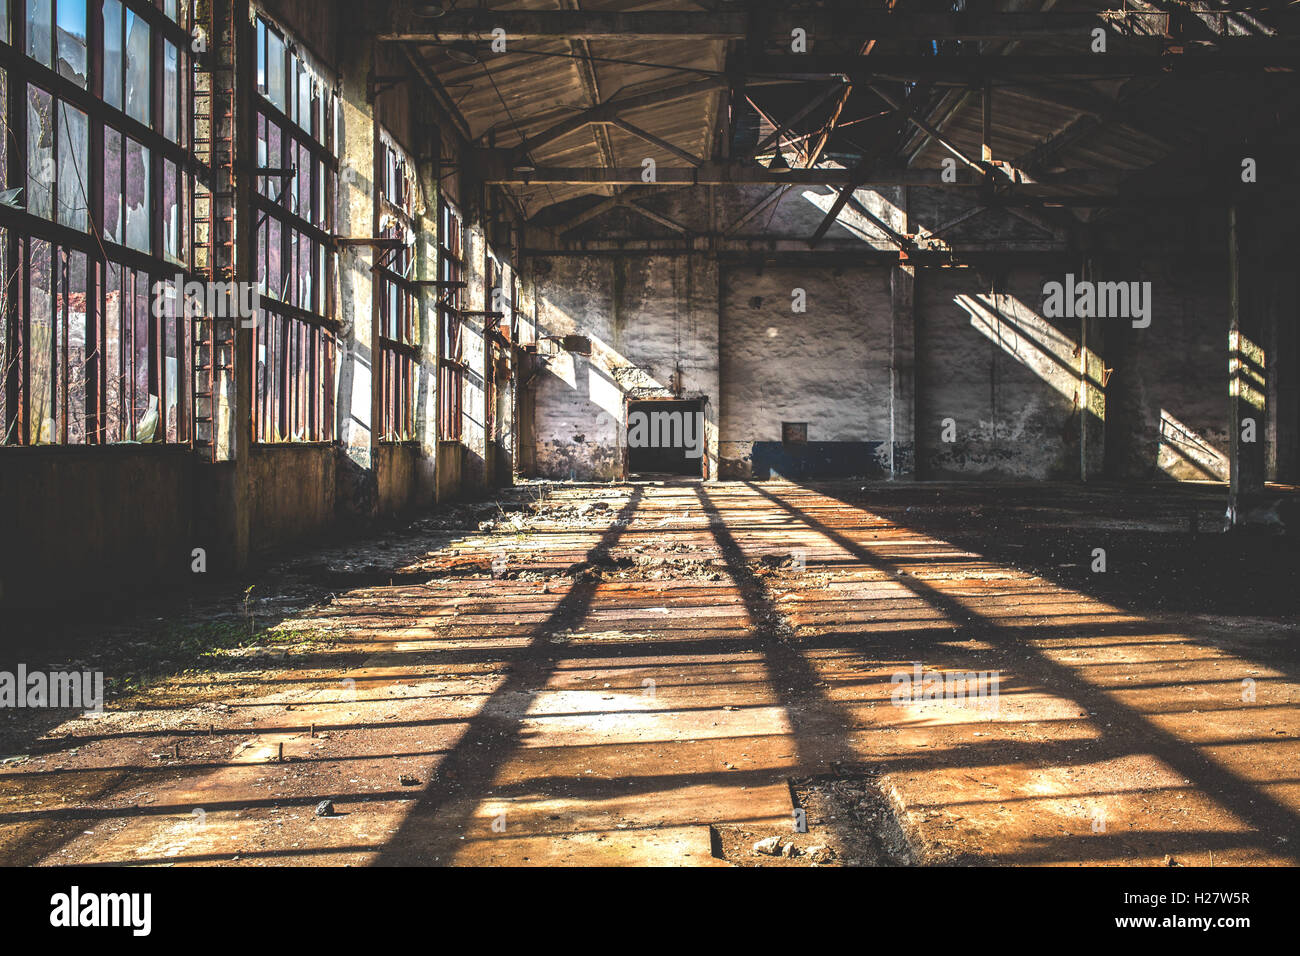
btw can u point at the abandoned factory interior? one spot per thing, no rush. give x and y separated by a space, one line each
584 433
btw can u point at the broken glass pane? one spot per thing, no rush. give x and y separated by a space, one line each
144 404
171 211
304 97
275 69
261 57
39 22
113 373
112 185
40 153
113 53
137 68
72 311
137 196
74 167
41 381
171 372
171 124
71 36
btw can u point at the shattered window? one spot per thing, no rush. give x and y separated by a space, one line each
397 294
451 303
40 32
295 338
40 153
137 196
113 53
91 360
74 167
71 41
138 72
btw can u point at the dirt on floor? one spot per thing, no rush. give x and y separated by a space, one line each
697 674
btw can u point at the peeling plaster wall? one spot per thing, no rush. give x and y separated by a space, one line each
1168 394
354 216
827 366
653 325
1030 398
1000 372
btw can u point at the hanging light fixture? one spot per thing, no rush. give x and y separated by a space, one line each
778 164
428 10
462 51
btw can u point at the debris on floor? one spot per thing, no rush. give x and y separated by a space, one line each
721 673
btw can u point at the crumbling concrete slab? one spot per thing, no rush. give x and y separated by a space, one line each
668 674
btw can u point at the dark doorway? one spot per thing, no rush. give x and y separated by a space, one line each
665 438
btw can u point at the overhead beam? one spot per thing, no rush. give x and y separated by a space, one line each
756 209
592 212
832 214
952 101
874 24
903 243
439 94
986 124
934 133
718 174
656 217
977 69
577 24
1038 156
953 223
815 151
775 136
587 76
620 198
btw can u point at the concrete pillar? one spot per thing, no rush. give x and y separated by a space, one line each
355 216
1247 378
426 266
236 493
902 374
1092 398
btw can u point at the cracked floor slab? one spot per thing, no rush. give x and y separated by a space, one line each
617 674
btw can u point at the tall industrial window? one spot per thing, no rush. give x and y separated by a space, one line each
451 305
396 293
96 179
295 338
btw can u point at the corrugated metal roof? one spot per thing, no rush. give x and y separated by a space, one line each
541 82
538 83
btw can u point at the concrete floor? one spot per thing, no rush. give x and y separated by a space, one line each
645 674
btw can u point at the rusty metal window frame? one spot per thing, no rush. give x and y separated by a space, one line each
84 381
396 293
451 310
295 341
